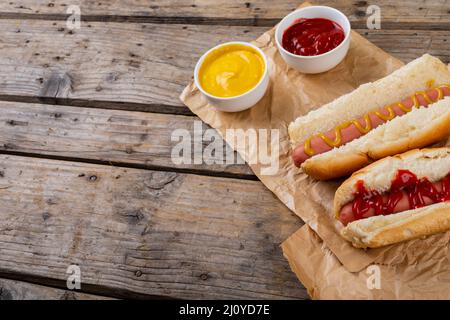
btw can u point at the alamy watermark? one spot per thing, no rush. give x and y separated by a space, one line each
374 17
374 277
74 20
259 146
74 279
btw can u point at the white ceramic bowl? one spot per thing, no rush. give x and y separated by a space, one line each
322 62
240 102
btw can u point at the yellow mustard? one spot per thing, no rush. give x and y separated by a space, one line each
231 70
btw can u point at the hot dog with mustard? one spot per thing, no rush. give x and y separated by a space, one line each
354 121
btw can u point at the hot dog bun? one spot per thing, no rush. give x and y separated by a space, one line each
416 129
377 231
415 76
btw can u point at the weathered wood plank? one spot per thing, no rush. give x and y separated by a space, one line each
401 14
136 66
409 44
144 232
142 140
18 290
114 62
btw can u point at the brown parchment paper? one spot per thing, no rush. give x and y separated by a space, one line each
290 95
424 276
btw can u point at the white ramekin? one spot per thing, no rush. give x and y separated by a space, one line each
322 62
243 101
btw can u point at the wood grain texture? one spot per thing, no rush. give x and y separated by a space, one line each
142 233
118 63
148 233
415 14
136 139
136 66
18 290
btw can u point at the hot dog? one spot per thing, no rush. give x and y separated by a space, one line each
351 132
396 199
344 124
348 213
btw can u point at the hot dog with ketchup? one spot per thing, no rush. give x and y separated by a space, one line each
396 199
405 196
348 133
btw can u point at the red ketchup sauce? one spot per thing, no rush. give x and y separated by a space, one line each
311 37
406 181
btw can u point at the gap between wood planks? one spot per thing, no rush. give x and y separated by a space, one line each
102 104
87 289
23 290
200 172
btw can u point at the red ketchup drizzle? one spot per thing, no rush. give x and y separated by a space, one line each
406 181
311 37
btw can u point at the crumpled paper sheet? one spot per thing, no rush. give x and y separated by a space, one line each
425 276
290 95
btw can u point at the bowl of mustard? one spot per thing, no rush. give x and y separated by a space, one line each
233 76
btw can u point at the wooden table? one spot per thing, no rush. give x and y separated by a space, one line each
85 137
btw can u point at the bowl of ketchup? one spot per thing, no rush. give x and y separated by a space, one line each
313 39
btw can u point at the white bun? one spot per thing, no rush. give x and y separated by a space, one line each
415 76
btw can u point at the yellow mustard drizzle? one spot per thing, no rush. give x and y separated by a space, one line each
368 123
